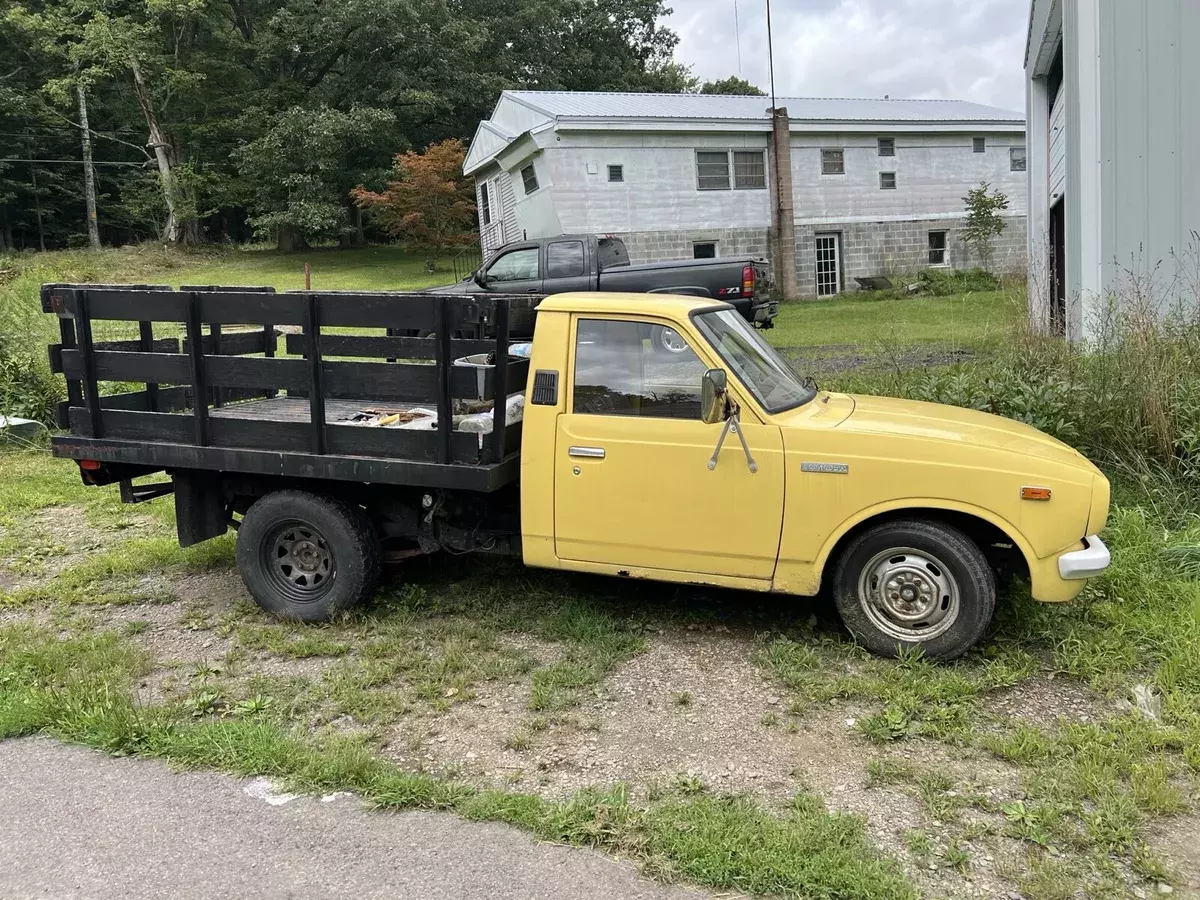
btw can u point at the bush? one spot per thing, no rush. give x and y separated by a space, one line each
944 282
1130 400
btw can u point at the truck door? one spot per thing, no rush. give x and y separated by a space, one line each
516 271
632 483
566 267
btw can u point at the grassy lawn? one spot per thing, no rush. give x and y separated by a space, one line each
734 741
967 320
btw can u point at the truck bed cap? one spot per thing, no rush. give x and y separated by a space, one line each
628 304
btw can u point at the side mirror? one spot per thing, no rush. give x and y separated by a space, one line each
713 407
479 277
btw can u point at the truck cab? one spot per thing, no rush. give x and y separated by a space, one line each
721 466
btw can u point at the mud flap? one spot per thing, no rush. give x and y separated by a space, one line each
200 512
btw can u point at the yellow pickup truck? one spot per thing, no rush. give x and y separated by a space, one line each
593 452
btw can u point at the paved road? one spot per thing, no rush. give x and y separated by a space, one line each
77 824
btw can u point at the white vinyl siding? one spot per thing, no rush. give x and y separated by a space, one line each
508 209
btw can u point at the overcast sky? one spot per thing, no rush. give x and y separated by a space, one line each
950 49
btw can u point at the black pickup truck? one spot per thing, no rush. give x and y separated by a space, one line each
588 262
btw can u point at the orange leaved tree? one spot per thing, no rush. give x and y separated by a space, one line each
431 204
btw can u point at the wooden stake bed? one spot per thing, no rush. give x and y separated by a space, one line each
224 400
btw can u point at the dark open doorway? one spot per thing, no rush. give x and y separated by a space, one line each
1058 267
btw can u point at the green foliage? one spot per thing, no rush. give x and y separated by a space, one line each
984 221
302 168
731 85
948 282
246 91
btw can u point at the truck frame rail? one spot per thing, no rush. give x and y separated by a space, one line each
218 393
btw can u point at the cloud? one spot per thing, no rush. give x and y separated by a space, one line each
949 49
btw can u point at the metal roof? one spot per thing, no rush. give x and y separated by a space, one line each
577 104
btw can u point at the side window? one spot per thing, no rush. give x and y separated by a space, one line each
635 369
564 259
515 265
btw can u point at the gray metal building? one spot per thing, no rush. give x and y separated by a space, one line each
1113 118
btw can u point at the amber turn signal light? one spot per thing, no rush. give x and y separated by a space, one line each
1035 493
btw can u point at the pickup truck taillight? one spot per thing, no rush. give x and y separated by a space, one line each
748 281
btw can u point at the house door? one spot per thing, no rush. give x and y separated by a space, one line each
829 265
1058 267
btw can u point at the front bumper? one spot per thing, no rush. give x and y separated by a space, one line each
1086 563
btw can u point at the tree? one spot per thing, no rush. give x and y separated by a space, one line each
430 205
984 222
731 85
300 172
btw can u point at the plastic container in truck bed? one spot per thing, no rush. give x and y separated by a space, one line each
306 384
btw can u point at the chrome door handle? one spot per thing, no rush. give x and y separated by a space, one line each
587 452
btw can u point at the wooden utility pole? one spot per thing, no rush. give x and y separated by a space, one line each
89 176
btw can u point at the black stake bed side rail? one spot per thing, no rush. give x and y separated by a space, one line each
193 412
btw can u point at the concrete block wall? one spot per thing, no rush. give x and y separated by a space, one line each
655 246
900 249
892 248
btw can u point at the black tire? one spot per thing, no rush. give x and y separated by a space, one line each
305 557
935 592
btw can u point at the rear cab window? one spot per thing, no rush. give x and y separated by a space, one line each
564 259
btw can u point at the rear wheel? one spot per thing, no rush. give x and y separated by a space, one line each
915 584
306 557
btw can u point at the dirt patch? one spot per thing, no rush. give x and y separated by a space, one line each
1178 840
1043 701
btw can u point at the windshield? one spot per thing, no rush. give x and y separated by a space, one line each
754 361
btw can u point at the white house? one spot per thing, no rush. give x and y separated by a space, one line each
877 184
1113 101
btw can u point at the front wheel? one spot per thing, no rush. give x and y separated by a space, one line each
305 557
915 584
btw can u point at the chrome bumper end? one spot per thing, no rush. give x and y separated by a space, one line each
1085 563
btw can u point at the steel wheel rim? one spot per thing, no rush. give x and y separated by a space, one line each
671 341
298 561
909 594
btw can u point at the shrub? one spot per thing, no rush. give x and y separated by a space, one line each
944 282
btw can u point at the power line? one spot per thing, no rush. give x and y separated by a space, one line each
77 162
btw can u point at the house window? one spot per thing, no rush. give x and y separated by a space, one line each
1016 159
749 169
832 162
712 170
887 146
887 181
979 145
485 204
529 178
617 374
937 248
704 250
616 173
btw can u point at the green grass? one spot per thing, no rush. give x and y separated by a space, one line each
967 321
78 689
371 268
